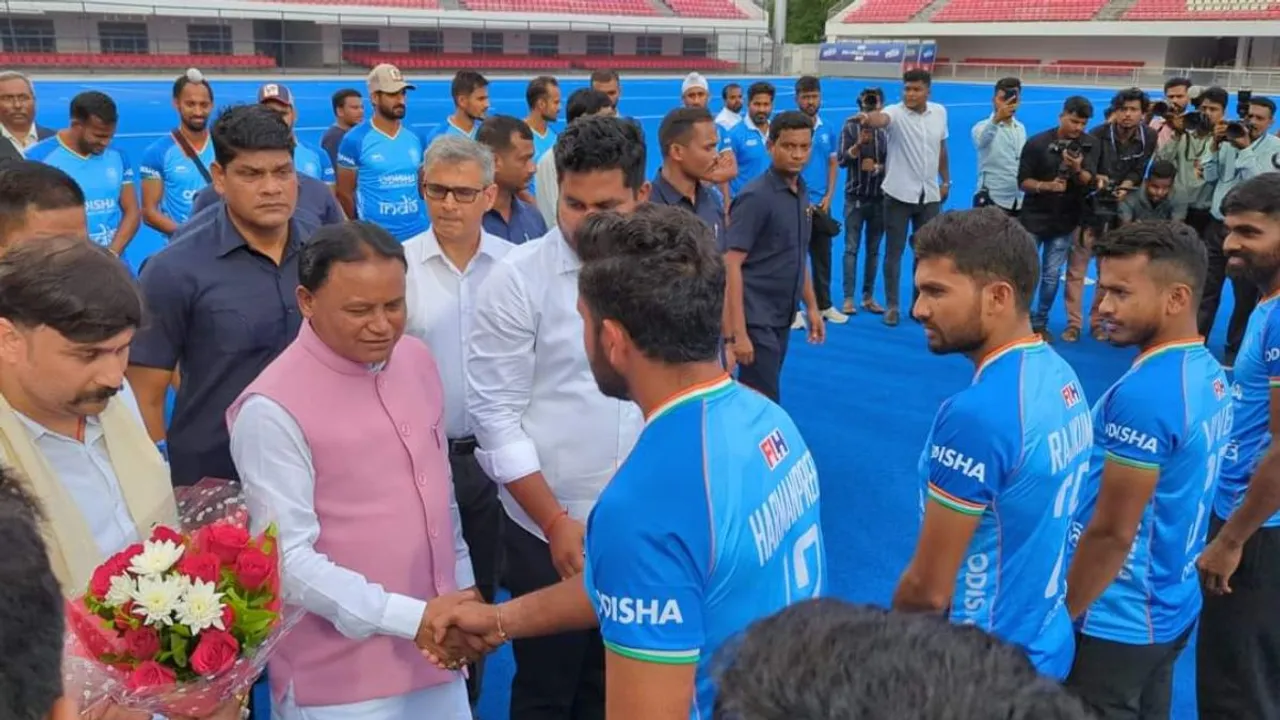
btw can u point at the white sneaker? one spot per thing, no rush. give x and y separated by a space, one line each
833 315
799 323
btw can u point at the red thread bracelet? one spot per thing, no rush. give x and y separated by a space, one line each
551 525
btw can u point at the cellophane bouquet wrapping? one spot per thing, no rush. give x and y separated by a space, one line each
185 621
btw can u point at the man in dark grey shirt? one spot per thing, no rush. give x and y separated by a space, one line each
1152 201
348 112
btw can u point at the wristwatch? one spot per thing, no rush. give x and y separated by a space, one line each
729 339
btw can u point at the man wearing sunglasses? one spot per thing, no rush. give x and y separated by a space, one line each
447 265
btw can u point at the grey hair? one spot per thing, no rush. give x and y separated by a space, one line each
454 149
15 75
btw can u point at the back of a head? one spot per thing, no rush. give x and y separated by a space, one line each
658 275
585 102
249 128
70 285
984 244
29 185
601 144
830 660
31 613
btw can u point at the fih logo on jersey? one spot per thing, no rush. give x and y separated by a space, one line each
1070 394
1219 389
774 448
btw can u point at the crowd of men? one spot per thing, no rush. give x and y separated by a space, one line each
528 375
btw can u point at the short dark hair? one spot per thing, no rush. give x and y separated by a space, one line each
31 608
1215 95
496 131
917 75
347 242
600 143
808 83
724 92
678 124
340 98
1007 84
761 88
1162 170
249 128
94 104
26 185
1161 241
539 88
1079 106
184 80
1174 82
1129 95
69 285
985 244
1265 102
789 120
585 102
466 82
656 272
604 75
827 659
1260 194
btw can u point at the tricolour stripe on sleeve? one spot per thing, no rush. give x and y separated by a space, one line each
951 502
1130 462
662 657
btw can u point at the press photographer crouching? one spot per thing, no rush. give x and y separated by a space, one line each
1239 150
1191 135
1152 201
1056 171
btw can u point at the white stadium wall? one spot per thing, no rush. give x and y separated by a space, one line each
78 34
1149 50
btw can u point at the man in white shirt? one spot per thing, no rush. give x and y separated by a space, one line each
999 140
447 266
584 102
547 434
917 176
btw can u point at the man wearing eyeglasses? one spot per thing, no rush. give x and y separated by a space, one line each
447 265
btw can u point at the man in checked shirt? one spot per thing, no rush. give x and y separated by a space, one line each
862 154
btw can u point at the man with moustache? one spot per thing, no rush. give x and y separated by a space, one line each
18 114
39 201
470 93
543 98
687 137
749 139
378 161
695 93
510 141
820 181
176 167
731 114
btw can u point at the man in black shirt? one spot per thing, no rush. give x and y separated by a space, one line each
348 112
1056 171
1125 146
862 153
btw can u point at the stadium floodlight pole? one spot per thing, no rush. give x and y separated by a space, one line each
779 24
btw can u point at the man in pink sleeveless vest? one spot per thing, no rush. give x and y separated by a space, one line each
341 442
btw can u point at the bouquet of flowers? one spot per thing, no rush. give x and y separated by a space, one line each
185 621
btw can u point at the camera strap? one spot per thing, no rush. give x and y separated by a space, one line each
192 155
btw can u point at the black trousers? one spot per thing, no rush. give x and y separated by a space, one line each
558 677
897 217
764 374
1244 292
1118 681
482 520
1238 648
820 266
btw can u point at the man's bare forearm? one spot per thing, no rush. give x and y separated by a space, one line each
562 607
536 498
1261 502
733 299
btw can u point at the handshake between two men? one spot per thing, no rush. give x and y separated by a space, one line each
459 628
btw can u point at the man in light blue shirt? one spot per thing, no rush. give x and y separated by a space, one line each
470 93
543 97
999 140
307 160
175 168
103 173
749 139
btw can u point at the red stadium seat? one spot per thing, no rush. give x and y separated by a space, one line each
457 61
568 7
961 11
133 61
884 11
716 9
1193 10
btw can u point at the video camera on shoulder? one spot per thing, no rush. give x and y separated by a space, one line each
1237 129
870 99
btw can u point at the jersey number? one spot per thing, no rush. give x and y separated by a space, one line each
1064 505
1211 476
804 581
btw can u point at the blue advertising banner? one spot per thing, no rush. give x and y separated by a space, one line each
884 51
928 54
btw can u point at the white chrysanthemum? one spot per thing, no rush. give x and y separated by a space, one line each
156 598
122 590
201 607
156 558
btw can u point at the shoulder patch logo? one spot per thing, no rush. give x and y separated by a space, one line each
774 448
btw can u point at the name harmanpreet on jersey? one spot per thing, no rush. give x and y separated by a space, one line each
386 168
102 178
710 524
1012 449
1171 412
166 161
1257 371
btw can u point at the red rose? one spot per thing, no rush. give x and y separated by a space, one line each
224 540
161 533
215 652
228 618
100 582
200 566
150 674
143 643
254 568
125 557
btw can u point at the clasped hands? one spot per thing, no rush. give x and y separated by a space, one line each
458 629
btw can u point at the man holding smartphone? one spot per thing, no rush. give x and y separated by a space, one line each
999 140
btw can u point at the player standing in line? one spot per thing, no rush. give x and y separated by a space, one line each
1163 428
713 521
175 168
1238 646
1005 457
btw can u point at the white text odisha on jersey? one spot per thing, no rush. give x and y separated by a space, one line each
788 502
639 611
958 461
99 204
1066 444
1128 435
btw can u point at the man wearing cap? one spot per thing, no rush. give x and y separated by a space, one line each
307 160
695 92
378 161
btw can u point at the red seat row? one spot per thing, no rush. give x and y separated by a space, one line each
1191 11
960 11
1116 68
649 62
135 60
574 7
716 9
457 61
885 11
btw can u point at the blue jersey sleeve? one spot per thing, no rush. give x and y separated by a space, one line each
349 148
647 561
970 448
326 169
152 167
40 151
1271 347
126 167
725 139
1136 428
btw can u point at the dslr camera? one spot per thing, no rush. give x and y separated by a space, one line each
1237 129
869 99
1106 206
1160 108
1058 147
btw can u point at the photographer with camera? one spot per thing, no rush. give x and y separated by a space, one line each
862 154
1056 171
1192 134
1125 146
1152 201
999 140
1177 96
1240 149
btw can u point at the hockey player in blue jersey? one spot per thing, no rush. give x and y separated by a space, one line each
712 522
1004 460
1144 508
